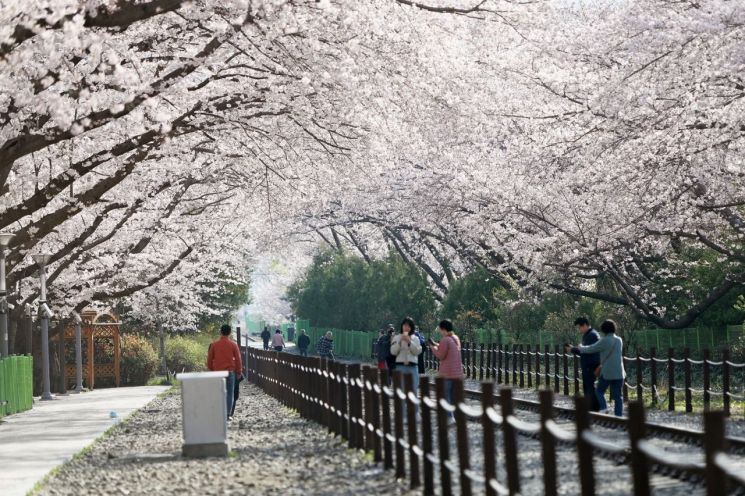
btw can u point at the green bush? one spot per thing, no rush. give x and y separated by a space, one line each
139 361
185 354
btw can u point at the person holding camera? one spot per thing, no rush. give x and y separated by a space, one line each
447 351
589 362
406 348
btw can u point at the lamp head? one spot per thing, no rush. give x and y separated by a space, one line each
41 259
5 238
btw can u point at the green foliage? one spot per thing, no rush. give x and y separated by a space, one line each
345 292
139 361
185 354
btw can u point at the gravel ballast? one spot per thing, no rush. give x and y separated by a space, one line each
274 452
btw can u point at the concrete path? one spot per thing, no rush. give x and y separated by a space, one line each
34 442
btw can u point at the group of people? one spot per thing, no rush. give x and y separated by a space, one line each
325 346
405 352
601 358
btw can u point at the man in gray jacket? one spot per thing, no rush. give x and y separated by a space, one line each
612 373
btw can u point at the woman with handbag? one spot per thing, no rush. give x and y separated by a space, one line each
610 372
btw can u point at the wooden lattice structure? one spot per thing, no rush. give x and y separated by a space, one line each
101 351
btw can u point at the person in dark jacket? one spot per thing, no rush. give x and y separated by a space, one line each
423 343
303 341
384 349
266 336
588 361
390 359
325 346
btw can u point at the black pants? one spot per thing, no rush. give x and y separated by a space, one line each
588 388
266 345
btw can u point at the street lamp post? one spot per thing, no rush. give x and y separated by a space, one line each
4 240
44 312
78 353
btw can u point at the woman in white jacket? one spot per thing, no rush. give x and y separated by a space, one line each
406 347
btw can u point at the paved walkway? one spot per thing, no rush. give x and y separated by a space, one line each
34 442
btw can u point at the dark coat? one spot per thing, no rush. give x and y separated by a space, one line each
265 335
589 361
303 342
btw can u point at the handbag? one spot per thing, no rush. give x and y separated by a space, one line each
599 368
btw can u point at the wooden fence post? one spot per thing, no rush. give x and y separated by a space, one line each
565 360
481 362
707 380
356 439
386 405
411 411
499 364
443 442
653 375
575 373
687 370
461 431
398 419
514 364
725 382
510 442
670 380
639 378
537 366
522 368
489 443
637 433
367 381
547 359
530 367
429 487
375 406
489 350
584 449
548 444
557 383
714 443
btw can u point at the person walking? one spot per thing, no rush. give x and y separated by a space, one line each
303 342
406 348
278 341
224 355
384 349
447 351
265 337
325 346
610 372
390 359
588 361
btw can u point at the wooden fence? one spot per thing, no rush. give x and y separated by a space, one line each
662 380
356 403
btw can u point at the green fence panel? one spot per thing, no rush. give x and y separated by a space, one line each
16 384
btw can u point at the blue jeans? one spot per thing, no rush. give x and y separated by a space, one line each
449 385
412 370
615 393
229 392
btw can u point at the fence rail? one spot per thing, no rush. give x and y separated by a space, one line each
357 403
658 381
16 384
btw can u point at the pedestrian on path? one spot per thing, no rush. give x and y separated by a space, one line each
384 349
611 372
325 346
265 337
224 355
589 362
406 348
278 341
447 351
303 342
390 359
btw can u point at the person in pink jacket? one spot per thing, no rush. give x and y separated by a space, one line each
278 341
447 351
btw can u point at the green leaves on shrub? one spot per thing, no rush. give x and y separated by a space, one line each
139 361
184 354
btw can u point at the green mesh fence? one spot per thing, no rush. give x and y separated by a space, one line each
16 384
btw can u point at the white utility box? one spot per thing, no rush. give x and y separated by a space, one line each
204 413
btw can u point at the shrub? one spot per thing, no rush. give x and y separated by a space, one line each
139 361
185 354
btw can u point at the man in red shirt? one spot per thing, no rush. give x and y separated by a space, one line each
225 355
